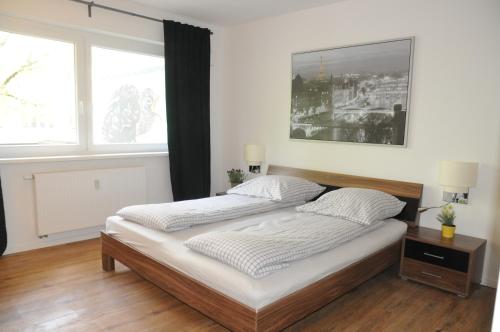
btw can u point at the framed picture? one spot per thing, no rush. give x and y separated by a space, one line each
357 94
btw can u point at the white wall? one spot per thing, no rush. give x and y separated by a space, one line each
454 110
18 193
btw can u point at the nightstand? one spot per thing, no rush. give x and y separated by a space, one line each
449 264
222 193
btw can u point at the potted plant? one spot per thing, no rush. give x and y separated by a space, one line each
236 176
446 218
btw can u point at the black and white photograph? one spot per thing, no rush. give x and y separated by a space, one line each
357 94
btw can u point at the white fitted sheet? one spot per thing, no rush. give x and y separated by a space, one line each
255 293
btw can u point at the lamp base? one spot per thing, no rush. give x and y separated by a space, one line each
460 198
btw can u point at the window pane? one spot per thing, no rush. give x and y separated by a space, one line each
128 97
37 91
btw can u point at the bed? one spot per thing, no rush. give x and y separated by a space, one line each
242 303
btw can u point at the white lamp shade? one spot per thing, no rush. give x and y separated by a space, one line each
254 154
457 176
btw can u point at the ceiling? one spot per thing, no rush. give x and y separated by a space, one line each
231 12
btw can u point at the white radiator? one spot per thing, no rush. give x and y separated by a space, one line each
73 200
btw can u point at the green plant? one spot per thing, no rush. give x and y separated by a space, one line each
236 175
447 215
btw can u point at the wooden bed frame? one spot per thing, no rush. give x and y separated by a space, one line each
288 310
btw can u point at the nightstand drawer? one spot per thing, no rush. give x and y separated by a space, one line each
449 258
435 276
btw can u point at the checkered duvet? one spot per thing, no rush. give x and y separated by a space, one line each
261 249
169 217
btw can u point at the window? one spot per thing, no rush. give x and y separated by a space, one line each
128 98
37 91
65 91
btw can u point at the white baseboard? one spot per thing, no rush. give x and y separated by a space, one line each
54 240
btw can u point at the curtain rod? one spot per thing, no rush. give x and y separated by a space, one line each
91 4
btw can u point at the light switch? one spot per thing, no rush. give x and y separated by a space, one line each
97 184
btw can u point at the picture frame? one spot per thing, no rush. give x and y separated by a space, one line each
353 94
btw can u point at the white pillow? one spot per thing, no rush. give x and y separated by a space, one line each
363 206
279 188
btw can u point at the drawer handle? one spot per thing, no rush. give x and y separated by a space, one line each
431 275
435 256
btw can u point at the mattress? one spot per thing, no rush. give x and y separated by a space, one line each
168 248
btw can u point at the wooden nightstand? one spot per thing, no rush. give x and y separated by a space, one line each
449 264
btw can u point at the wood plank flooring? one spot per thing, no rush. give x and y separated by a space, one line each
64 289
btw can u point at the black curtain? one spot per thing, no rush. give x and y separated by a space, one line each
3 230
187 77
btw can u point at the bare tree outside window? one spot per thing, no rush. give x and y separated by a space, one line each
31 110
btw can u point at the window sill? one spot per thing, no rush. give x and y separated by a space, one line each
49 159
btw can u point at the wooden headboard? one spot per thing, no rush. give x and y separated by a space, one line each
409 192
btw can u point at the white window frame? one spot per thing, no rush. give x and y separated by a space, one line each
82 41
125 45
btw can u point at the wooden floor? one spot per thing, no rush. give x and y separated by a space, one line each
63 289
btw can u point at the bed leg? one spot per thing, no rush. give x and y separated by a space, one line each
108 263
